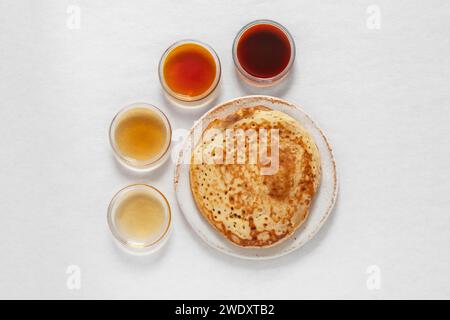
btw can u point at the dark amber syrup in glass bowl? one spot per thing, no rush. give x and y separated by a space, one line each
264 51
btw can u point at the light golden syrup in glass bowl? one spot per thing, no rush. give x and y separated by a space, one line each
141 134
140 217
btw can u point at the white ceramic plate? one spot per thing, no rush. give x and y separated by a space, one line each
322 204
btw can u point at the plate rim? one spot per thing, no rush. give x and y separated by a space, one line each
272 100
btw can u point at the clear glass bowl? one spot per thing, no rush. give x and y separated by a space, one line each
257 81
185 101
131 163
133 246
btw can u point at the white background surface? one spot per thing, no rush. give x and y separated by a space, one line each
382 97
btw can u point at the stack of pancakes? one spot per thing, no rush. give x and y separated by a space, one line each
246 202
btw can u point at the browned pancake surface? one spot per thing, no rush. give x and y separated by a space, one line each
248 208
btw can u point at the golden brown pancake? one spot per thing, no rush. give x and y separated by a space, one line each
248 206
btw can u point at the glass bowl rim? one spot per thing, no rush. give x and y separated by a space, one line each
139 164
247 74
210 90
113 229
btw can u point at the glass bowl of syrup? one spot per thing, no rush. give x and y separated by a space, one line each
139 217
189 72
140 136
263 52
